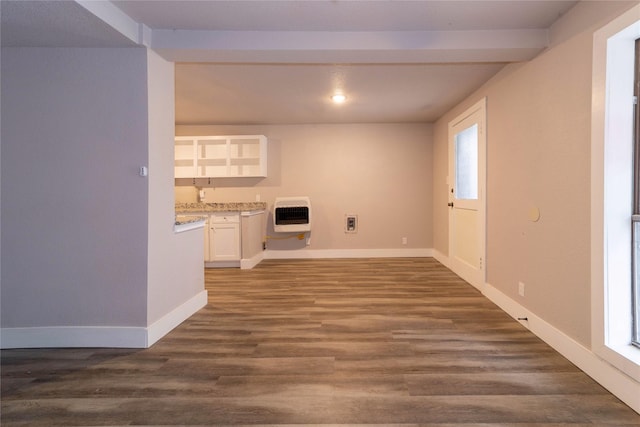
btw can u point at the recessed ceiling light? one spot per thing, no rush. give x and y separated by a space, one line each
338 98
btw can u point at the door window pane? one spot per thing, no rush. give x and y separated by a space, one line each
466 156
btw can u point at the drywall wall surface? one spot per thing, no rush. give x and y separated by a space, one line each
541 161
538 157
175 261
440 188
586 16
379 172
74 210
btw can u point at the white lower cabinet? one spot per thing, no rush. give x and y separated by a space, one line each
222 241
232 238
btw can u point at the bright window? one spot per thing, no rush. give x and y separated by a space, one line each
612 190
467 163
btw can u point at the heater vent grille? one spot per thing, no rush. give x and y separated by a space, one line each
292 214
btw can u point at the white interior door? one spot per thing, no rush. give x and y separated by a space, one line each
467 201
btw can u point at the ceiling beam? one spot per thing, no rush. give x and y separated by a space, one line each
352 47
118 20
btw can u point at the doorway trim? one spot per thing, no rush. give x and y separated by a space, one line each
475 275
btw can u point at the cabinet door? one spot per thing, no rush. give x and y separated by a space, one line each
225 245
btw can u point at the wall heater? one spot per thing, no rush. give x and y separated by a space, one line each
292 214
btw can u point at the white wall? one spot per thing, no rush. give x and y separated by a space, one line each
74 210
539 155
380 172
90 257
538 128
174 260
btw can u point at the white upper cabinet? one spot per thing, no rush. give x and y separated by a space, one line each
221 156
185 158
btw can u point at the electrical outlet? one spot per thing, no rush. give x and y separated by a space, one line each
351 223
404 240
521 289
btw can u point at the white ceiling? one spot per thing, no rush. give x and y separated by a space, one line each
278 61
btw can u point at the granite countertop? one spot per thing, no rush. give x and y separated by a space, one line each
188 222
220 207
189 219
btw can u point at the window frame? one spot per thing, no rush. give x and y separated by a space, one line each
612 192
635 218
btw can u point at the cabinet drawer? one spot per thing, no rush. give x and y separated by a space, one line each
225 217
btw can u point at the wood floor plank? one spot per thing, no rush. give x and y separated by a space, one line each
502 383
326 407
366 342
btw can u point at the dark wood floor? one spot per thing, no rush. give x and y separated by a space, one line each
374 341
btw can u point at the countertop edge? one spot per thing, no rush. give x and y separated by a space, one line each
194 223
195 208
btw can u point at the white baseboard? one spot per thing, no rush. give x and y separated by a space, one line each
442 258
621 385
73 336
249 263
464 275
165 324
100 336
222 264
348 253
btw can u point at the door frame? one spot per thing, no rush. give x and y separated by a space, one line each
476 277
